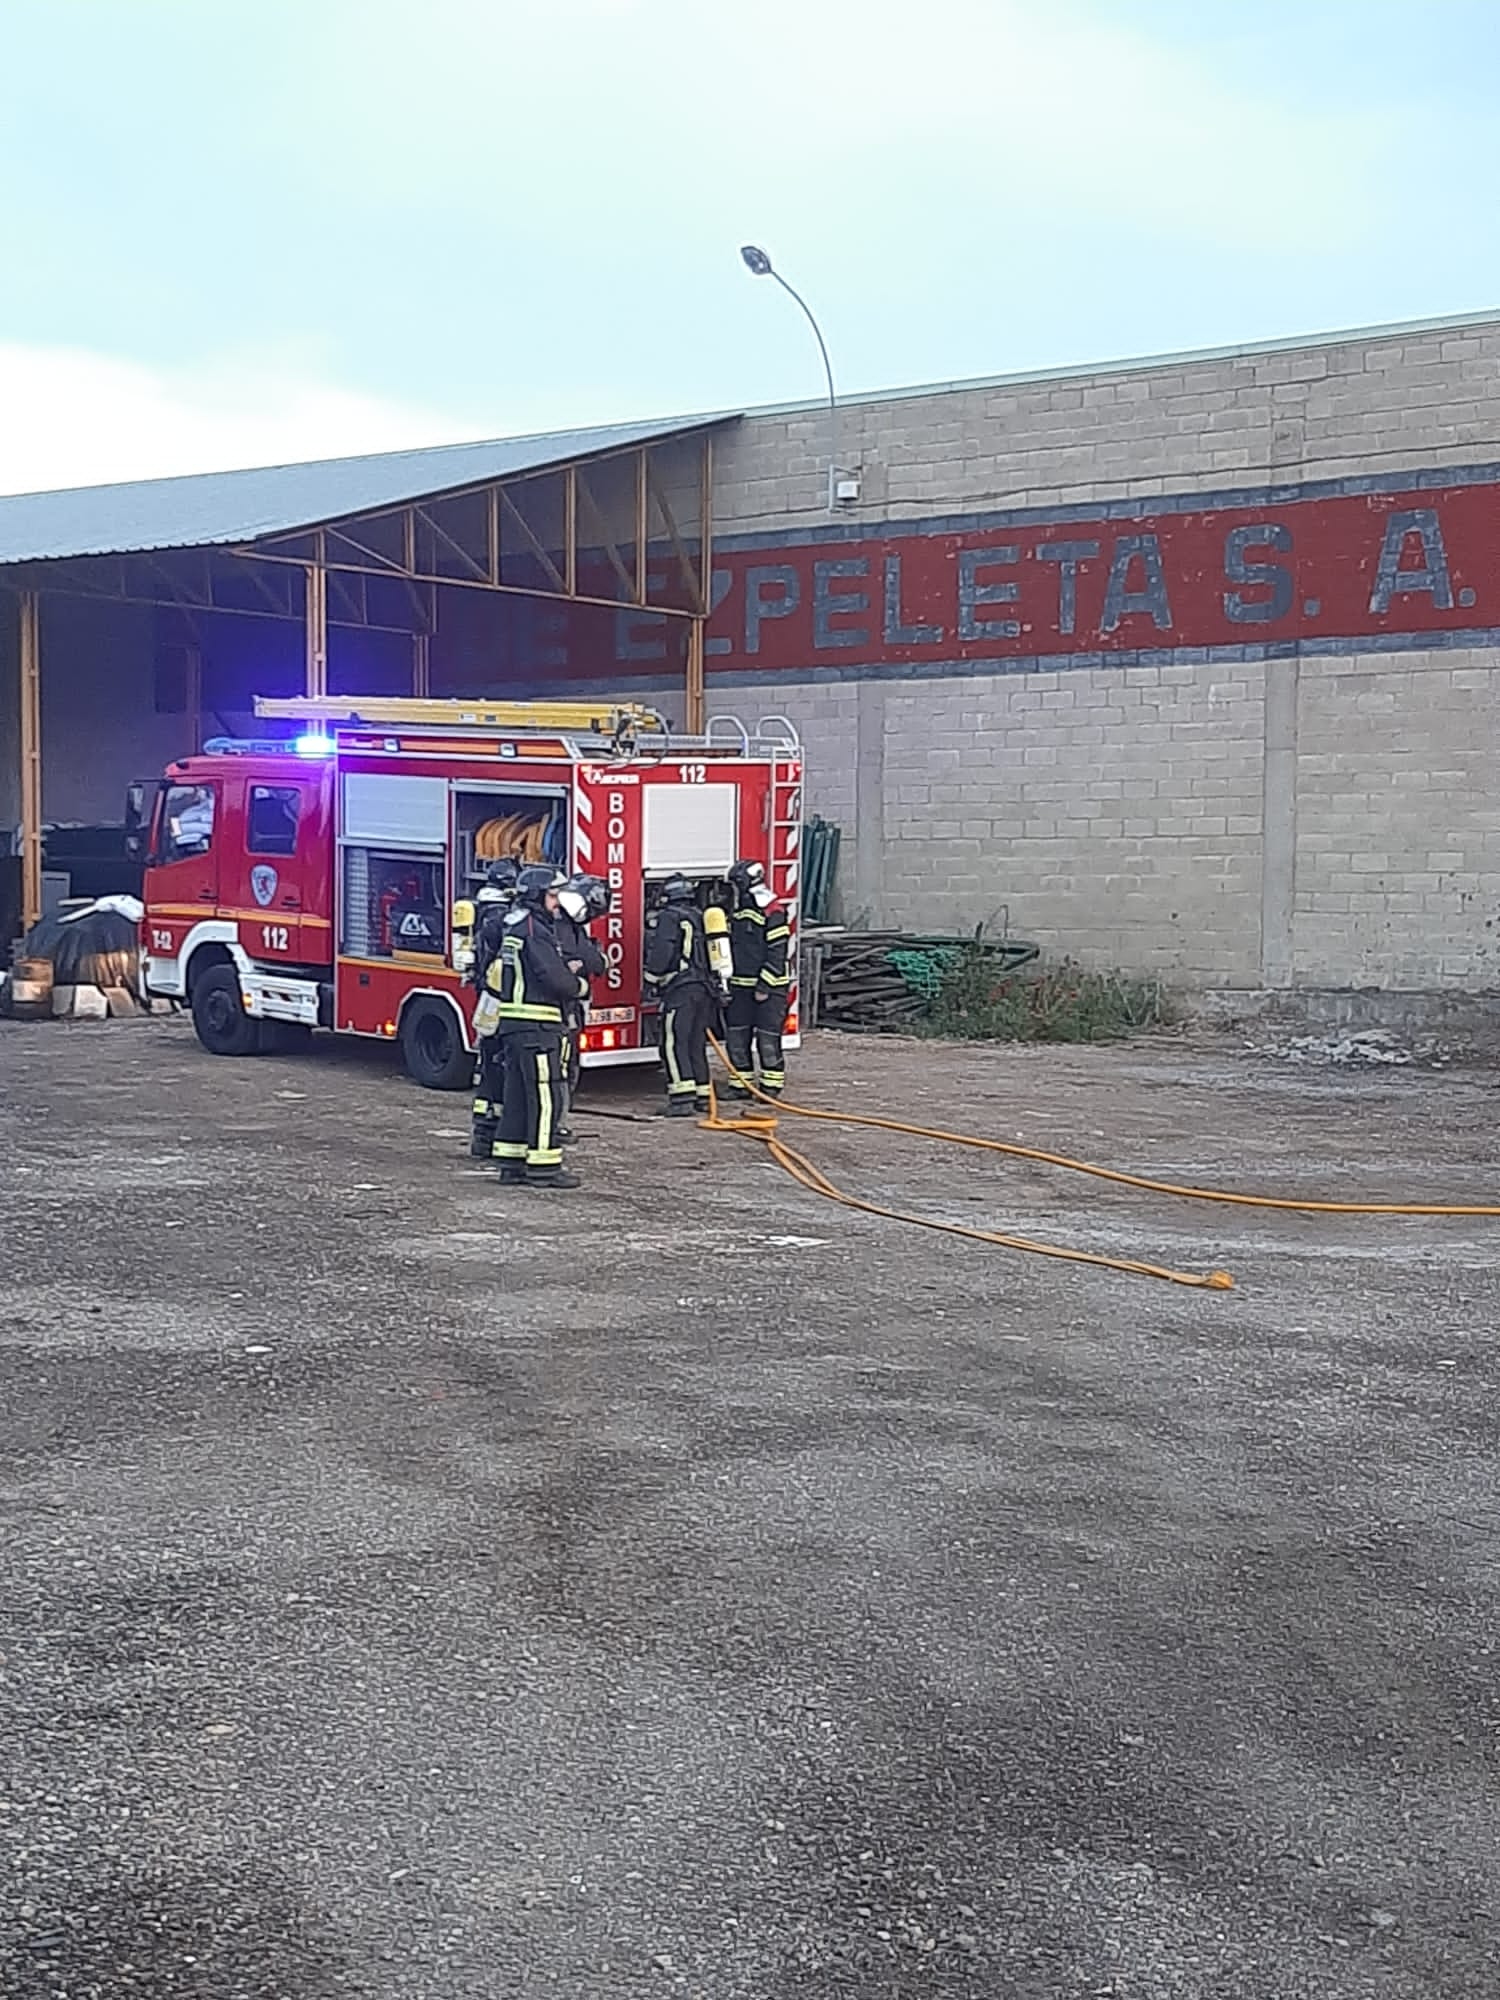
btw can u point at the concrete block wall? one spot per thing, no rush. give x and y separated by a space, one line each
1398 822
1403 399
1113 816
1312 812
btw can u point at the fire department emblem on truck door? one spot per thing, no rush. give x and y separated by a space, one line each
263 885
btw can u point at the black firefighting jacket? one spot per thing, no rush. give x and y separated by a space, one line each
758 944
677 952
573 941
534 985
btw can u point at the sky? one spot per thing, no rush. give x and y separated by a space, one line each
236 235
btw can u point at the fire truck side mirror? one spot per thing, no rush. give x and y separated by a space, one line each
138 799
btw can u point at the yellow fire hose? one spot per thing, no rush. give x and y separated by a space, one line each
802 1170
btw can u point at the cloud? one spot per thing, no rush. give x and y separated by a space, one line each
69 417
1003 109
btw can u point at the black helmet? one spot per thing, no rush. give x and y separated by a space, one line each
677 889
536 881
500 882
585 897
746 874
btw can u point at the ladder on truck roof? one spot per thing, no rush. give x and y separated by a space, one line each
615 719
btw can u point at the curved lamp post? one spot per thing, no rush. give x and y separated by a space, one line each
759 264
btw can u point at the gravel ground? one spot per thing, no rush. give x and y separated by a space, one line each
689 1587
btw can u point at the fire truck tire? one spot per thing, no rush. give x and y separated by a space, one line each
433 1046
223 1026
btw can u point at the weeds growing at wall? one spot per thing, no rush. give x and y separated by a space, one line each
1059 1003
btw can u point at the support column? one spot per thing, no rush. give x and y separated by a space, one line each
31 759
869 803
193 676
1278 851
694 721
421 664
315 615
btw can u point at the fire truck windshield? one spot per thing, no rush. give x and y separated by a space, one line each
187 821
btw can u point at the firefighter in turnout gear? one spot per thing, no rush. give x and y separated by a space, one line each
494 902
535 991
678 973
581 901
760 982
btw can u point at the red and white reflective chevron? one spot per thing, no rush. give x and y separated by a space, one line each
583 837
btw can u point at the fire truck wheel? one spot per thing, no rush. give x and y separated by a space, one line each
433 1047
223 1026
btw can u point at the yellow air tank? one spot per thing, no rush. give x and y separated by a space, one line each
716 931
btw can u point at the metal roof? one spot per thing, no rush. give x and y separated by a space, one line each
205 509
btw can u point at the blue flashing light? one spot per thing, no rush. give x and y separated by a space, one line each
314 746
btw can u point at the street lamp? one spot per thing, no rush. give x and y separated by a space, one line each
759 264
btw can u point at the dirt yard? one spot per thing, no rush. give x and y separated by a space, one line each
428 1591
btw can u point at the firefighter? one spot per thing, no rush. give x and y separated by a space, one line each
535 990
581 901
494 901
760 982
678 973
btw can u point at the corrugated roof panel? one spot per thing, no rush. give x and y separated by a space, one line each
216 507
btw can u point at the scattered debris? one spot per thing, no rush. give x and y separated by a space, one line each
1352 1047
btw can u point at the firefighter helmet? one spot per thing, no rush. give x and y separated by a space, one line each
585 897
536 882
748 880
677 889
500 881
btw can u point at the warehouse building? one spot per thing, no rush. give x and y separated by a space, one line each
1185 666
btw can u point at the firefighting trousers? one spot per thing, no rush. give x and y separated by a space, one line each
686 1018
752 1032
532 1111
489 1094
572 1058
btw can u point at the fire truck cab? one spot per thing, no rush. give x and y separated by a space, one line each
327 880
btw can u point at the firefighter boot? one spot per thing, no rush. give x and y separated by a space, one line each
552 1177
482 1139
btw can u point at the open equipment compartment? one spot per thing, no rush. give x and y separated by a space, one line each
392 847
493 820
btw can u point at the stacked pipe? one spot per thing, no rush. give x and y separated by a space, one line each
883 981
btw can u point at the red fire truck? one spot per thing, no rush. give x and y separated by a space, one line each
327 880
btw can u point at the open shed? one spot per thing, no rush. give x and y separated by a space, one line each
142 617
